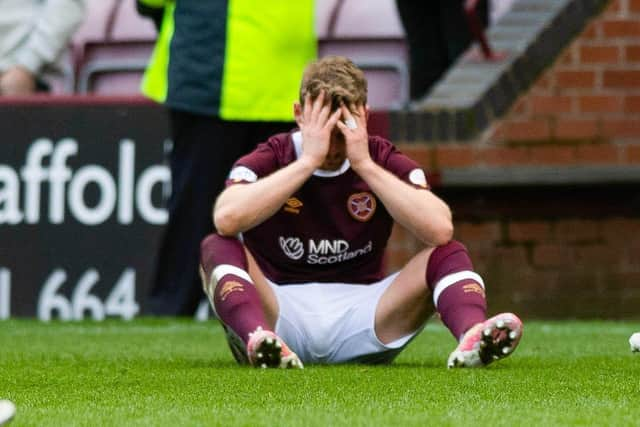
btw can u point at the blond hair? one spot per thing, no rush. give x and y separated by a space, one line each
340 79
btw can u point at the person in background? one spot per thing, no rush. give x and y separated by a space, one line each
437 33
227 72
33 37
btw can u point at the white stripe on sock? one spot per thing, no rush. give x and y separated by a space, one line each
223 269
452 279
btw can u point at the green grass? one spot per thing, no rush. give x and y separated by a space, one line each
180 373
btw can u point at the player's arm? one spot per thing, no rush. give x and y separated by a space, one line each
242 207
420 211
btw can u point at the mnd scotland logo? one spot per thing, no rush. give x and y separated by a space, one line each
292 247
322 251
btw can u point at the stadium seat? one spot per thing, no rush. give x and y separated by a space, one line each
115 52
371 34
63 81
114 44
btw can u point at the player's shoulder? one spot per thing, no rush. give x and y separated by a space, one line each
283 147
381 148
280 139
276 151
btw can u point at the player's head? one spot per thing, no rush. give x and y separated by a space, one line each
340 80
342 83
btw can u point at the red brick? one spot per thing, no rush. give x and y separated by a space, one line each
600 54
613 7
575 79
497 132
550 104
623 128
545 84
577 230
632 260
619 230
598 153
452 157
511 256
632 52
486 231
600 103
549 255
632 104
529 231
633 154
421 154
592 31
597 254
622 79
503 156
576 129
634 6
620 28
521 107
529 130
553 155
568 57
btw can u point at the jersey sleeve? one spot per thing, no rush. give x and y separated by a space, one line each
396 162
257 164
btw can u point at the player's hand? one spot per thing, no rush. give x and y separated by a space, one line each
16 81
354 129
316 126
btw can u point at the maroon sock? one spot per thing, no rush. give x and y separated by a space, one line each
235 298
458 292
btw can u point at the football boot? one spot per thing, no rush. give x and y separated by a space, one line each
267 350
488 341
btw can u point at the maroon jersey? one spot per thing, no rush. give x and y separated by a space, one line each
333 229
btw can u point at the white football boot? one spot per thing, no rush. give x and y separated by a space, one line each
485 342
267 350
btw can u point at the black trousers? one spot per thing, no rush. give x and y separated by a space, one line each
204 149
437 33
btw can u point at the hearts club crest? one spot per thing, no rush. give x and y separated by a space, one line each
361 206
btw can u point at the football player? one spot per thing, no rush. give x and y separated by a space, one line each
295 272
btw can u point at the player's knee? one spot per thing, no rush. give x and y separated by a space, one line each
216 249
449 258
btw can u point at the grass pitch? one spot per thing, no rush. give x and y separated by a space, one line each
152 372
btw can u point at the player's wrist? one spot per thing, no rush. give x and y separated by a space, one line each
309 163
363 166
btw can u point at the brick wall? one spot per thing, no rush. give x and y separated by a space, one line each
591 95
567 250
548 252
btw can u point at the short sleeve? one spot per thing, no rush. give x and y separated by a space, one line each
257 164
396 162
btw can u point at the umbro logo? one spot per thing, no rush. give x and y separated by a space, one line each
293 205
229 287
473 287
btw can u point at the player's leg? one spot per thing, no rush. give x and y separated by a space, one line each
458 296
404 307
244 302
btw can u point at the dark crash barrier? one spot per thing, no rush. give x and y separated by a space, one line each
83 184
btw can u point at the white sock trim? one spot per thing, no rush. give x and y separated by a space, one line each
452 279
224 269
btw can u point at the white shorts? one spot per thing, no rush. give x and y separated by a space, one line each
334 322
